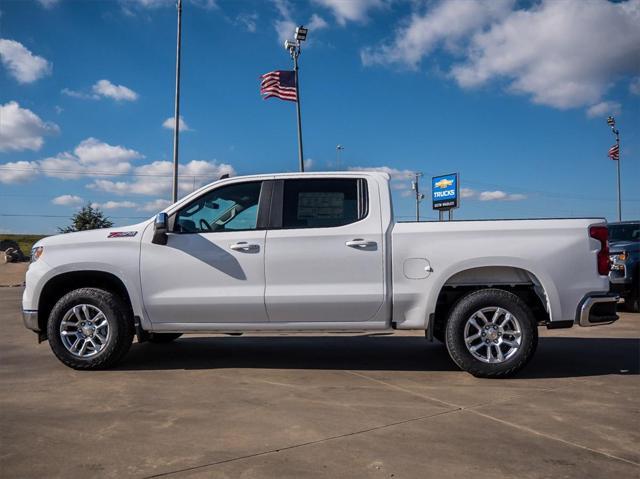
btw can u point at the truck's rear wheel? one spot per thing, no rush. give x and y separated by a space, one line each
90 328
160 338
491 333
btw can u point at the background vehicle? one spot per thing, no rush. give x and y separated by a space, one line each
624 244
317 252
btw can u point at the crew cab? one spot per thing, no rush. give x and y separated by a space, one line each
317 252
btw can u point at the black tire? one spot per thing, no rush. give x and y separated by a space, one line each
119 320
487 298
162 338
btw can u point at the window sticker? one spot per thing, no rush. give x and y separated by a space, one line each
321 205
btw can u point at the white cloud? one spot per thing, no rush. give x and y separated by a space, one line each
23 65
604 108
79 94
285 29
248 21
21 129
91 157
500 196
285 25
170 124
155 205
316 22
394 173
400 179
563 54
48 3
447 23
112 205
18 171
129 7
150 3
634 86
350 10
156 178
67 200
308 164
467 193
118 92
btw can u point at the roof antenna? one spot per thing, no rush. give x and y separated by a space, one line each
224 177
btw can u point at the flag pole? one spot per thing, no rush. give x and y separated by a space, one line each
618 167
611 121
293 46
176 116
295 53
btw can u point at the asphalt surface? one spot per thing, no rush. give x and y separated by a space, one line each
370 406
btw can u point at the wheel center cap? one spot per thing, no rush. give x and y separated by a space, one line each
88 330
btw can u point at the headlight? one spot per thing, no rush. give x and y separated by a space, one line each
36 253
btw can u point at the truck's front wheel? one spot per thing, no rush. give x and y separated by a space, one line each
491 333
90 328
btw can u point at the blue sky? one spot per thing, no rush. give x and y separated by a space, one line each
513 95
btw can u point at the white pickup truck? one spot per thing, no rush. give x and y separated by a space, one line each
317 252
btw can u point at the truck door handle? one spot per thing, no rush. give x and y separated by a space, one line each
244 246
360 243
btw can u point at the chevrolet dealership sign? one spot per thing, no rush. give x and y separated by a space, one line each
445 192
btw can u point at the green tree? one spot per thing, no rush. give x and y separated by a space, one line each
88 218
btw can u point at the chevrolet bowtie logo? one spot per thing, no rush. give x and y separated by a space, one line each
443 183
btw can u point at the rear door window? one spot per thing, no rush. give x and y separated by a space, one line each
323 203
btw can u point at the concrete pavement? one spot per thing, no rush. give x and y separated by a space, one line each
371 406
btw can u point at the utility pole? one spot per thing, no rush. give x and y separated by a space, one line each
339 148
415 186
294 50
611 121
176 116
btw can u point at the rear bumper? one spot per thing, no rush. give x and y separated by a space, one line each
597 309
30 320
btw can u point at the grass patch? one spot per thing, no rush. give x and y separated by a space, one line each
25 242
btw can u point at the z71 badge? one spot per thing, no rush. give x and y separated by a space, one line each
122 234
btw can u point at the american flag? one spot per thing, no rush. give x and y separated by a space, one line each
614 152
279 83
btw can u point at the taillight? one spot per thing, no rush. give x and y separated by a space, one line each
602 234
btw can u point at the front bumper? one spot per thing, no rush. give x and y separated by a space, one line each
30 320
597 309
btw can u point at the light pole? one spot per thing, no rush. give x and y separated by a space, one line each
415 186
611 121
339 148
294 50
176 116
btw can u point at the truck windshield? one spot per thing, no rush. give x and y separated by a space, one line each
625 232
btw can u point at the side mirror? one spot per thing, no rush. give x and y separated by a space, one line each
160 226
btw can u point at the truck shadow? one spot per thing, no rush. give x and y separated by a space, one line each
557 357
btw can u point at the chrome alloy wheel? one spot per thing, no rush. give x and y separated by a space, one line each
84 330
492 335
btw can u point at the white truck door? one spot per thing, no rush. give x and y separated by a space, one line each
324 259
212 268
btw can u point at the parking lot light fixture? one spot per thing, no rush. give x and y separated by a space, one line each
301 33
